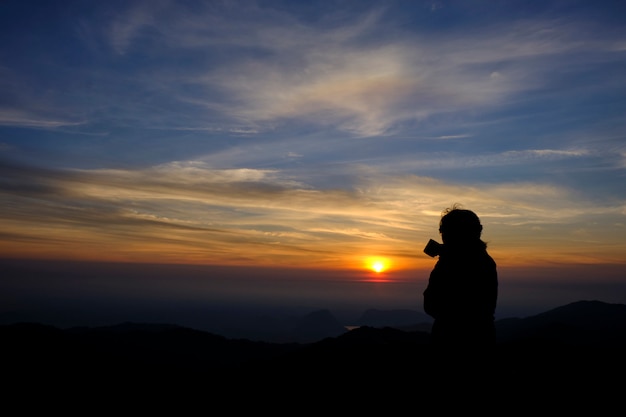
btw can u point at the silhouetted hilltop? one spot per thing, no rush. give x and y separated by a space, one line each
132 349
571 347
285 328
586 323
316 326
393 318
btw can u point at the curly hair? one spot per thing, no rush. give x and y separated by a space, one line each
460 224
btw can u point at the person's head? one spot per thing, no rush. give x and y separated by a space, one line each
458 225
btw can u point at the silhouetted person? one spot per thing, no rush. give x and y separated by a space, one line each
463 286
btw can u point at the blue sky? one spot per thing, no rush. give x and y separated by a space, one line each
312 134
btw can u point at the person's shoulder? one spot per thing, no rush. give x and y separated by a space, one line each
488 258
490 262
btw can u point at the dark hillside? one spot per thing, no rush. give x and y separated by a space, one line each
574 350
582 323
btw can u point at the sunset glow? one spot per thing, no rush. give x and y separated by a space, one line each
378 267
325 136
377 264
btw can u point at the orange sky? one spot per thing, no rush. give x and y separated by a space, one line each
197 215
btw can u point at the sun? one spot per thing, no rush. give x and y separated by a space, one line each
377 264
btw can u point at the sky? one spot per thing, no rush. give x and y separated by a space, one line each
300 141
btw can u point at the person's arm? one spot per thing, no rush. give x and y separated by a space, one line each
432 294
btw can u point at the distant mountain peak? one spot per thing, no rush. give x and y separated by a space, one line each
392 318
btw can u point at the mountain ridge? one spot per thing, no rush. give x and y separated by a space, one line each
177 361
584 322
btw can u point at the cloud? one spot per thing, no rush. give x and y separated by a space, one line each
461 136
189 211
248 69
368 89
126 27
34 121
256 110
278 68
427 161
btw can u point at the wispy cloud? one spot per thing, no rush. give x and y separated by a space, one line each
23 119
232 131
190 212
353 73
280 69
